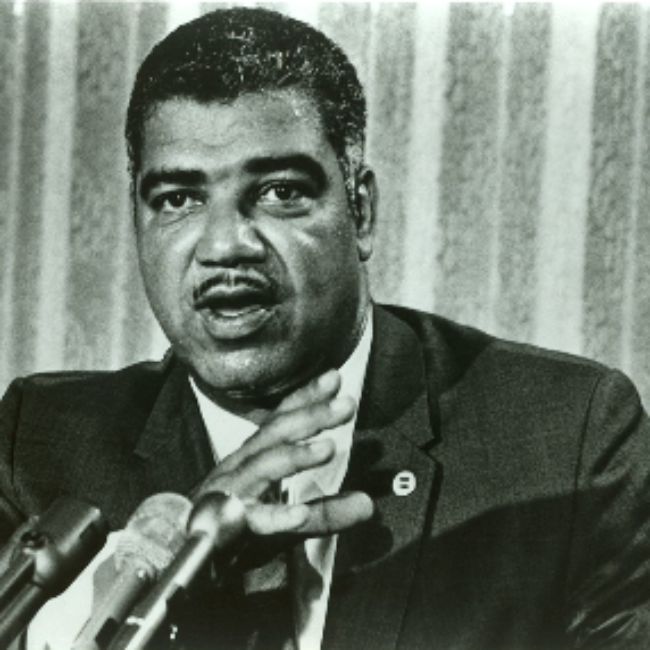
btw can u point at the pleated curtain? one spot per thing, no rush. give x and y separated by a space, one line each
511 142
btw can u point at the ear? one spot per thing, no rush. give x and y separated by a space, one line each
365 197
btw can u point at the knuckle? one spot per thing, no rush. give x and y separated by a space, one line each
317 416
252 471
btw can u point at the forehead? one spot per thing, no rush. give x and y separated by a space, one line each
254 125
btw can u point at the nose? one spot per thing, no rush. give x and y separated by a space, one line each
229 238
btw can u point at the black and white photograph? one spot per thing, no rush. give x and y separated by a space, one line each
324 325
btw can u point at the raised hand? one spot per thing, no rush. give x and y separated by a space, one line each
284 445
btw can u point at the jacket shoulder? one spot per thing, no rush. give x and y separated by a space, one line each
88 423
98 392
454 351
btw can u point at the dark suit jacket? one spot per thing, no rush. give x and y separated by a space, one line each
529 526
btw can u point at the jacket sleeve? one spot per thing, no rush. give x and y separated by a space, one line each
10 512
608 588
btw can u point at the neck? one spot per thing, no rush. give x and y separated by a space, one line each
256 409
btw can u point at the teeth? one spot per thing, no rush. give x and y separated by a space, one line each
226 312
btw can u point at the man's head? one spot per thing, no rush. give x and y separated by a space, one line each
235 52
254 212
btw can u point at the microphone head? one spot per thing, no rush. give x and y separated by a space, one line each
154 534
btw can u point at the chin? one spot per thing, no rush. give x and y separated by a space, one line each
247 380
235 376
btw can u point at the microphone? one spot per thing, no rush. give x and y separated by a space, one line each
48 556
8 551
216 521
152 537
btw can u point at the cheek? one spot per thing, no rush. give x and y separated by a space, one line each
163 264
325 260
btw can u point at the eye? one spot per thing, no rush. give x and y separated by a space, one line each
281 193
285 198
176 201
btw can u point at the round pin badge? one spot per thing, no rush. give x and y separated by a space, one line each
404 483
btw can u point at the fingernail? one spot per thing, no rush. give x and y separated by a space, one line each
329 381
320 446
342 405
298 515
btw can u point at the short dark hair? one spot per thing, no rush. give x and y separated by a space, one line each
228 53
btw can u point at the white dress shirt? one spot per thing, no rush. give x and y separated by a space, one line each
311 608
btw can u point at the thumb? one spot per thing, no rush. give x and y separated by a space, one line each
337 513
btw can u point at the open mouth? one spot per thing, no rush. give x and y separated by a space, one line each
236 305
230 303
232 312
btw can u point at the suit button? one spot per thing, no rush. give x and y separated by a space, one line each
404 483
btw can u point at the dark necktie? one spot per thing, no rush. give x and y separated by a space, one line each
247 607
269 602
268 598
244 612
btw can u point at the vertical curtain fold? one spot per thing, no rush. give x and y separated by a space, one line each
523 138
510 142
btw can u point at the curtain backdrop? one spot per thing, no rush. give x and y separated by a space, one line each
511 141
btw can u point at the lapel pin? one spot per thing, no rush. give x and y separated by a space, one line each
404 483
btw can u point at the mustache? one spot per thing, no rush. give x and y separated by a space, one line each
231 279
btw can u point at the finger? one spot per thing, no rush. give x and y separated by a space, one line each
325 517
254 477
267 519
325 386
289 425
337 513
293 426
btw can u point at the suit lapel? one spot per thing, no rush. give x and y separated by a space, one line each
174 448
376 562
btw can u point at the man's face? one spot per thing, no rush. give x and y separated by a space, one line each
251 259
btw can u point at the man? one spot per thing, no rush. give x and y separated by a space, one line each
495 497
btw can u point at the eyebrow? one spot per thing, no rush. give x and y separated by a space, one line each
261 165
171 177
299 162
